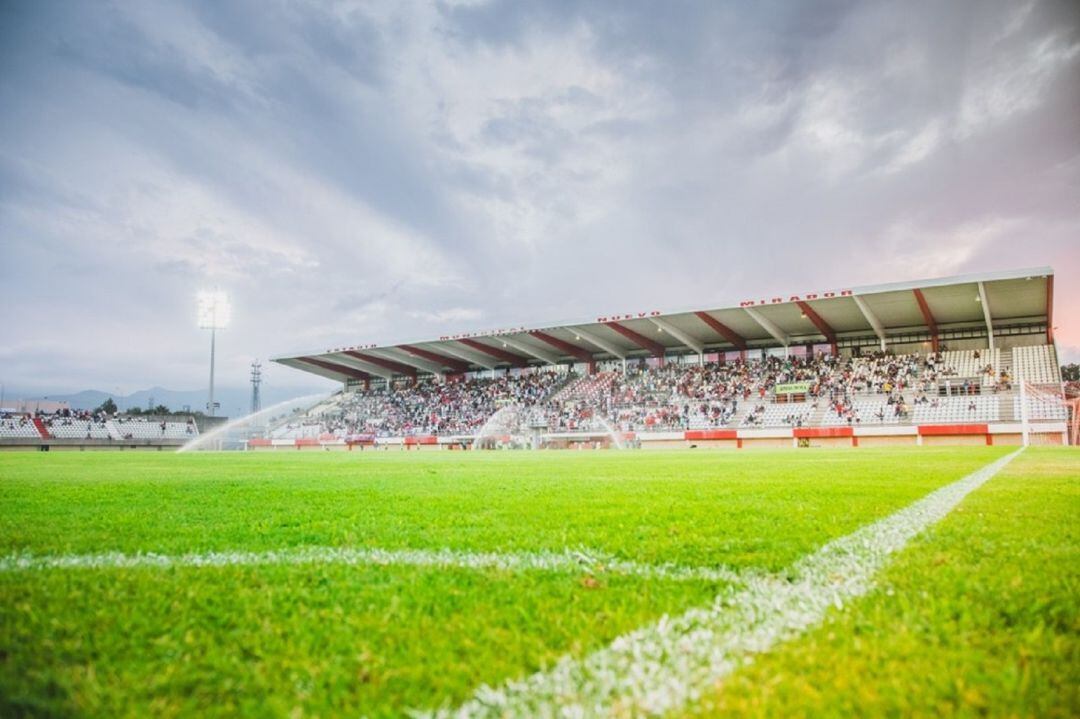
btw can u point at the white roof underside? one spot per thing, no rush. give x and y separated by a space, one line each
1014 297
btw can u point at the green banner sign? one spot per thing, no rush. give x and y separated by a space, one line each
793 388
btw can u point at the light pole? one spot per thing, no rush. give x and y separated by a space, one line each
256 380
214 315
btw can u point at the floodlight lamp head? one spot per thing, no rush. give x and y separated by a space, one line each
214 310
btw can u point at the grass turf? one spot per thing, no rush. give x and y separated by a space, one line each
323 640
762 509
980 616
320 640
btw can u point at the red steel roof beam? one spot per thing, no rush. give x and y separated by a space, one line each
391 365
582 355
640 340
499 354
451 362
1049 309
820 323
928 318
723 330
338 368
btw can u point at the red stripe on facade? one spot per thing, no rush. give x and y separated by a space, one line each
702 434
810 432
952 429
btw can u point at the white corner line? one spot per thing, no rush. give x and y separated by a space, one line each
573 561
672 663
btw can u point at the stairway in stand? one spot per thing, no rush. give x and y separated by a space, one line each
563 384
1006 409
817 417
587 389
41 428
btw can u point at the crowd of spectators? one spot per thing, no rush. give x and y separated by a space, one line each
430 407
92 423
674 396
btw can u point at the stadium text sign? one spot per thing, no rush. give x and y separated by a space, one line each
793 388
631 316
797 298
353 348
488 333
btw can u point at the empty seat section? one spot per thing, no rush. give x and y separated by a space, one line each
1036 364
778 415
957 410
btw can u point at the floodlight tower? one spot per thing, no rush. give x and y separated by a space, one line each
256 380
214 315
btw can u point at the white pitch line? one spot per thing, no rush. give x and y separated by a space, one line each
582 561
670 664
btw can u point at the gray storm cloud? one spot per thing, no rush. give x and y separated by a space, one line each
377 172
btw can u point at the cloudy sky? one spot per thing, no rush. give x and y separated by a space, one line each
373 172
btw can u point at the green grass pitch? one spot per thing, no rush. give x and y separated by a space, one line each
979 615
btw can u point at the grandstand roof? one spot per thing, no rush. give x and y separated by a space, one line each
986 303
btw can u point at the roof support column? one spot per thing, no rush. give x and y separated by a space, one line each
510 357
769 326
879 330
691 342
454 364
538 354
573 350
928 318
397 355
599 342
986 315
334 371
403 369
468 356
369 367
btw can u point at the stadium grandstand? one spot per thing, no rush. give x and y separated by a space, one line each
72 429
958 359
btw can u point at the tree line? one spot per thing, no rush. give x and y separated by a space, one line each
109 407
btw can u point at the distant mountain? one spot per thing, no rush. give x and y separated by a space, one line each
234 402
